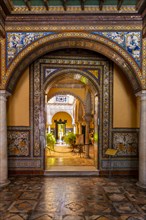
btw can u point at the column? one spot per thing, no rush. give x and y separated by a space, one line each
3 140
74 128
49 129
142 140
87 119
80 127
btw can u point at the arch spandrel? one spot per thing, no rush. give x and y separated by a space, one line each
75 40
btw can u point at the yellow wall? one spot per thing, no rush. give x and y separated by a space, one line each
18 103
63 116
125 103
76 91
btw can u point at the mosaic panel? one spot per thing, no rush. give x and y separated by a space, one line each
36 110
130 41
18 143
126 143
144 62
17 41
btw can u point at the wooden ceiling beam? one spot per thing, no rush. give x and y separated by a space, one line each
46 4
27 3
140 4
64 2
101 2
82 4
119 4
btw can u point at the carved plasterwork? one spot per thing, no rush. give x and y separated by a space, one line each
76 40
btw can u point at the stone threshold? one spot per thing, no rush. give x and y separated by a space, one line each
71 171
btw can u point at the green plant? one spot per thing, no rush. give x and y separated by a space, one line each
50 139
70 138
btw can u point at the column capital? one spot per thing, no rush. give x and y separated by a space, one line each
141 94
4 94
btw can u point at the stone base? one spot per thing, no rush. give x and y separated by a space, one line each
141 185
5 183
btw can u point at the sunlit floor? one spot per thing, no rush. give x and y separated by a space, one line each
64 156
72 198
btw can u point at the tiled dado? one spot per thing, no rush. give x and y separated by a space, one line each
68 198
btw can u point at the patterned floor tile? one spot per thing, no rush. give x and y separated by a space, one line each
4 205
132 217
48 206
110 189
10 216
10 195
74 217
125 208
23 206
29 195
72 198
117 197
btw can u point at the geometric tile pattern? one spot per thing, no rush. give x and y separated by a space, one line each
72 198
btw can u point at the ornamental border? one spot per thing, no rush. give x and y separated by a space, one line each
71 40
51 27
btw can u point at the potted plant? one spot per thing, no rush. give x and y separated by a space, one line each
70 138
50 139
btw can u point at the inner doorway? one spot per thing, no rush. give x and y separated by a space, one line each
64 126
60 130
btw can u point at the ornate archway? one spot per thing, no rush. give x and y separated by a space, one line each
74 40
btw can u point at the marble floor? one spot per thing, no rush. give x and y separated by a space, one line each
63 156
72 198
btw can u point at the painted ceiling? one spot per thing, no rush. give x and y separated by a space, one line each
75 5
72 2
